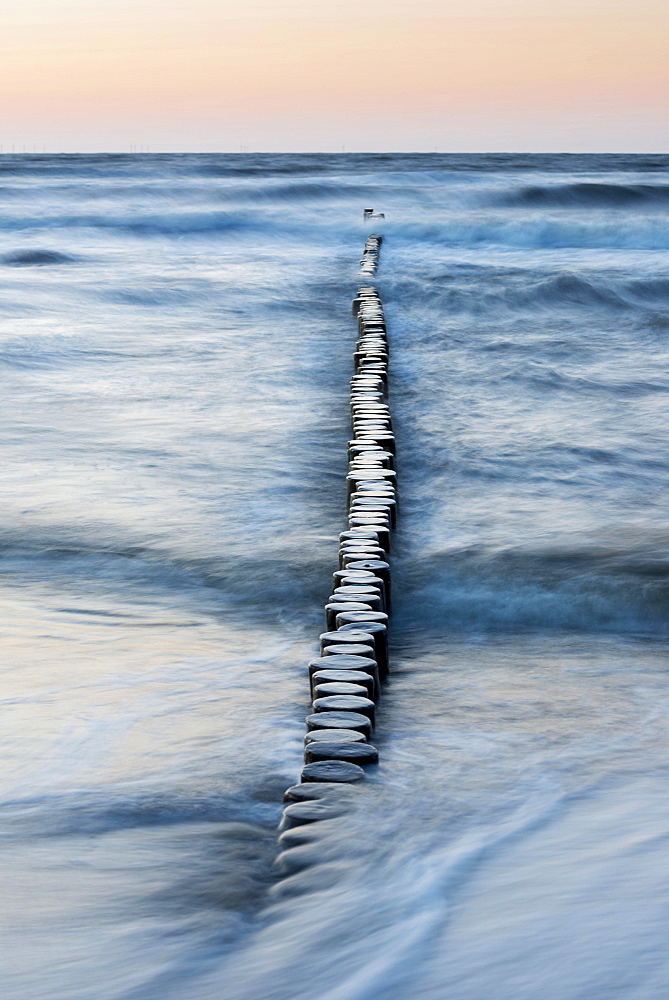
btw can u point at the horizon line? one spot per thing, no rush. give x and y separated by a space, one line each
309 152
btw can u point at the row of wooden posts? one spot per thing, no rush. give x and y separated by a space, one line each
345 679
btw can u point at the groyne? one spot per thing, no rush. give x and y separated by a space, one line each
345 678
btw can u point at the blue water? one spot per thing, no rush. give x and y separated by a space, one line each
175 341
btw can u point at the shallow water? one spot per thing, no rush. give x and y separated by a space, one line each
175 336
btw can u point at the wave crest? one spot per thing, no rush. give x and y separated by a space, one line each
36 258
596 587
587 194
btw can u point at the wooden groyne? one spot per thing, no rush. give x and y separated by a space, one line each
345 679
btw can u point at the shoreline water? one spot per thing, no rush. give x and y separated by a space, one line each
172 498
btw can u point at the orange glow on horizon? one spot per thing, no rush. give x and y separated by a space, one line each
319 68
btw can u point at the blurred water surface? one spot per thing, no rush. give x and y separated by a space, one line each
175 339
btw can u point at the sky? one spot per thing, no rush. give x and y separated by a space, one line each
292 75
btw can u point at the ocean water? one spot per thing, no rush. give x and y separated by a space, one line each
175 342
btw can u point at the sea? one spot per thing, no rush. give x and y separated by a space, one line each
175 344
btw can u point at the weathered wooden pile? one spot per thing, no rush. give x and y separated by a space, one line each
345 679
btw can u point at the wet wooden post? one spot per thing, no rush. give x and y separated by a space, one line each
344 680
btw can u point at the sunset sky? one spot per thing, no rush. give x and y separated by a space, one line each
297 75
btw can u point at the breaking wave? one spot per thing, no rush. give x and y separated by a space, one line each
588 194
